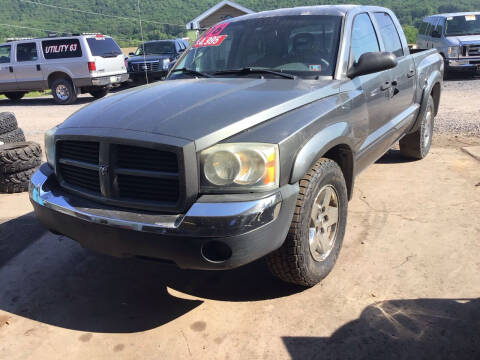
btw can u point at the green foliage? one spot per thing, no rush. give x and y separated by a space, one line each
125 27
410 33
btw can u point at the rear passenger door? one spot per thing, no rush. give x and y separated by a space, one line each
7 77
27 68
402 77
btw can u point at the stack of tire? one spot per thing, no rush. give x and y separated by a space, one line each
18 158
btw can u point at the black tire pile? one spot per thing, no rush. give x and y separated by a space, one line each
18 158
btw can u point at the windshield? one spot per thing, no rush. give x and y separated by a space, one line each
156 48
303 45
103 46
462 25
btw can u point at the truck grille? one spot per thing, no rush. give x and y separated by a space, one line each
473 50
124 175
146 66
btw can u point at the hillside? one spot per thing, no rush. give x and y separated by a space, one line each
28 18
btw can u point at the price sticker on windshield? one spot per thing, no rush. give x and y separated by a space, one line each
212 36
470 17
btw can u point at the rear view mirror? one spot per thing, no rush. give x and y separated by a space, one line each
372 62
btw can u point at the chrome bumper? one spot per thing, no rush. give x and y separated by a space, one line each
109 80
203 219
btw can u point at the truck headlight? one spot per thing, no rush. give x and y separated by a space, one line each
239 167
166 63
453 51
50 146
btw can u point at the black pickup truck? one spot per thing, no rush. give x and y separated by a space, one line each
250 149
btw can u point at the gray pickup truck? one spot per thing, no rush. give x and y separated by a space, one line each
250 149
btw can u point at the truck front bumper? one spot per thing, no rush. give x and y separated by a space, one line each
217 232
466 64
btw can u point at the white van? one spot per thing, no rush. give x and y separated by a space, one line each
67 65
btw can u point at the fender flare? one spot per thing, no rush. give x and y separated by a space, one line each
319 145
435 77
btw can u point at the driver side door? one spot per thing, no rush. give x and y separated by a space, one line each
7 76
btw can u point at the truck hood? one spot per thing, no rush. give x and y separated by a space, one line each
147 58
202 110
466 39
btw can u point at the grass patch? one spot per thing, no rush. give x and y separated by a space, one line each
32 94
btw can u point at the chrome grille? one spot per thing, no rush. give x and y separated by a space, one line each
473 50
146 66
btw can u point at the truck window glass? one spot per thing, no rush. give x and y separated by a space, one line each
156 48
439 26
299 45
423 28
364 38
432 22
389 34
463 25
5 54
27 52
103 46
61 49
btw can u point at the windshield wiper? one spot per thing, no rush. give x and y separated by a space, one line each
249 70
192 72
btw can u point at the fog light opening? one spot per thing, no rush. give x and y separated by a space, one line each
216 251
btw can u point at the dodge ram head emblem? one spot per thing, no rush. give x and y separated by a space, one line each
103 170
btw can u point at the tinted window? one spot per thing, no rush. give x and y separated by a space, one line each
297 44
61 49
423 28
432 22
5 54
462 25
364 38
27 52
439 27
103 46
389 34
156 48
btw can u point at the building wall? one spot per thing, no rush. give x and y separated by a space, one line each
220 15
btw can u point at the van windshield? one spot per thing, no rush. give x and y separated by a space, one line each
462 25
104 47
303 45
156 48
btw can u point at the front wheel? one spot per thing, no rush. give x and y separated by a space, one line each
417 145
15 96
315 238
63 91
99 93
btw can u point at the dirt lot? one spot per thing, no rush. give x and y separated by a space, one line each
406 284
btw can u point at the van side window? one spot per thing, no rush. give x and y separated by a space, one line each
61 49
364 38
5 54
439 27
423 28
27 52
389 34
431 26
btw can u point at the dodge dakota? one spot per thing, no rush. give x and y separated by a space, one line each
251 147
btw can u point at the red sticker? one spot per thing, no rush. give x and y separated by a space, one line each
212 36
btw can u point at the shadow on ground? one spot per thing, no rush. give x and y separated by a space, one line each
462 76
400 329
53 280
41 101
393 157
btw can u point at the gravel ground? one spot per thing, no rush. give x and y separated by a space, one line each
459 112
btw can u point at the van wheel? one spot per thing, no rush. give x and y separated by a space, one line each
15 96
315 238
63 91
417 145
99 93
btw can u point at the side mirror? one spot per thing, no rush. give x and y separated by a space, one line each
372 62
181 51
131 54
436 34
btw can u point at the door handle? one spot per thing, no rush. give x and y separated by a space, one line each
386 86
411 73
10 68
39 68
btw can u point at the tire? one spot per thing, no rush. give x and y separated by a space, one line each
19 157
16 182
8 122
100 93
296 261
14 136
63 91
15 96
417 145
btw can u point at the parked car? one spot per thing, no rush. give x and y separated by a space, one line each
456 36
254 153
67 65
153 59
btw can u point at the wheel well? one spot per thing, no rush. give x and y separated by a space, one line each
57 75
436 96
343 156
